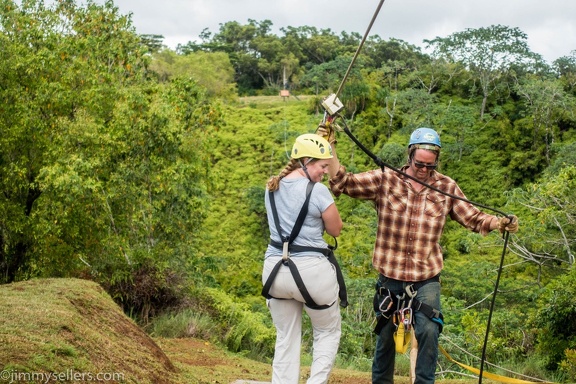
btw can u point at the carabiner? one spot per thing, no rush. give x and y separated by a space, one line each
386 303
407 318
410 291
400 305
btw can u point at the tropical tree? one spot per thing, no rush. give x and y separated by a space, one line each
556 321
238 41
153 42
102 171
381 52
458 121
548 239
211 70
326 77
488 53
546 105
274 63
56 64
312 46
565 66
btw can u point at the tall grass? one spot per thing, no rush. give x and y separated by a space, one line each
181 324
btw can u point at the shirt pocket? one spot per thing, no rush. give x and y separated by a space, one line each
397 200
434 205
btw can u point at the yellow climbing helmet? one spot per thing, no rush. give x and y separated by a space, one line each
311 145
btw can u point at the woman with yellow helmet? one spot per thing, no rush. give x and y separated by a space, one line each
299 271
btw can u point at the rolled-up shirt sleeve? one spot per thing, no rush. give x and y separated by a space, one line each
365 185
468 214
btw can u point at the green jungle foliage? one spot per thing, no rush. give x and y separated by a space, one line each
140 168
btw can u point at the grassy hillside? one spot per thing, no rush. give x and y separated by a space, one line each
70 325
73 329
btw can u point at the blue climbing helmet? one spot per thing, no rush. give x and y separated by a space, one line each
425 138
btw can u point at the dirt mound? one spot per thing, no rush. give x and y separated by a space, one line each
72 329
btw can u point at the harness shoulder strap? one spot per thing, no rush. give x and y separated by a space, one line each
299 219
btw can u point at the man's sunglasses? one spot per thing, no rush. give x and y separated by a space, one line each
420 165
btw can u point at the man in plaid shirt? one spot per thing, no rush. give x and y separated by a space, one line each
411 219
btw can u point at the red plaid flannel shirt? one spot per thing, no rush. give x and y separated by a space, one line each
410 223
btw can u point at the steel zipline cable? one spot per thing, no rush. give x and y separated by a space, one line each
359 48
337 106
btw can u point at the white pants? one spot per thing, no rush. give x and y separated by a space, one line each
319 277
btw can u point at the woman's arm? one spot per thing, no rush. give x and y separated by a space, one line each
332 220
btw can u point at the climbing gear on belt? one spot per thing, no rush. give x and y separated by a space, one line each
287 247
400 308
403 319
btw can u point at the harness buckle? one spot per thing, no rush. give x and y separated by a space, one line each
285 252
411 291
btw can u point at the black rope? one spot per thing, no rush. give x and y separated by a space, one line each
506 236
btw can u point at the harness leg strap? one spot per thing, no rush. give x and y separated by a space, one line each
268 284
310 303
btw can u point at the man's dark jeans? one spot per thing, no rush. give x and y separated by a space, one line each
427 333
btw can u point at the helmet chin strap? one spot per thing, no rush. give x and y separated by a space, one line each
303 165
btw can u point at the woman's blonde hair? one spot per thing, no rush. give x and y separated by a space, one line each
274 182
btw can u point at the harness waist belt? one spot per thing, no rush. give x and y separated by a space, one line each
416 284
301 248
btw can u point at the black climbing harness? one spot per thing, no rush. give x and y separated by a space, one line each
400 307
287 247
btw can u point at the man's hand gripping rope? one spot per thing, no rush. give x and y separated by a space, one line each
508 223
327 129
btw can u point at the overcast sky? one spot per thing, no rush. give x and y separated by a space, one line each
550 25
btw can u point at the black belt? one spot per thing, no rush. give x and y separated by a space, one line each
416 284
301 248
